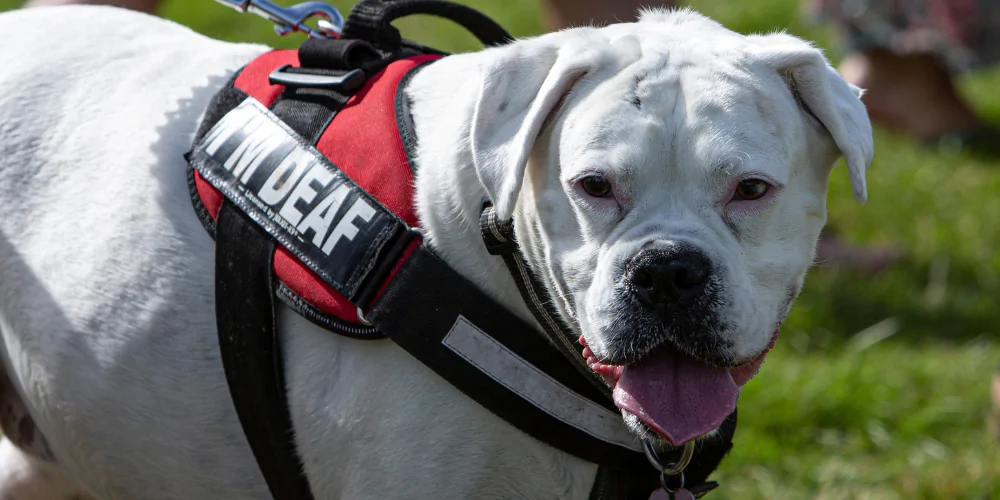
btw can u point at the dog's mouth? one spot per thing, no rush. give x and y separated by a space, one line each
677 396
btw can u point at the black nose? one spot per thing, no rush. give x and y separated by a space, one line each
672 276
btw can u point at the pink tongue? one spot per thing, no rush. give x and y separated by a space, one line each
677 396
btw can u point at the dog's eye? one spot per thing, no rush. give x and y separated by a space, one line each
596 186
751 189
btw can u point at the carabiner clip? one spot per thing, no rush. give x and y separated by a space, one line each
289 19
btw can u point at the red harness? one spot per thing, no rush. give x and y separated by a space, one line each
364 141
260 137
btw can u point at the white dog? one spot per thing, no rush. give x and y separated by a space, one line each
668 179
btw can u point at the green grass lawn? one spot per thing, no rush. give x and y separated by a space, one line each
878 388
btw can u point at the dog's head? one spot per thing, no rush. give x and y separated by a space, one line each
668 179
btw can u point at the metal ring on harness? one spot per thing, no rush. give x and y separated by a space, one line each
362 319
671 469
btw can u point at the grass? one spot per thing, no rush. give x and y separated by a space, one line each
879 386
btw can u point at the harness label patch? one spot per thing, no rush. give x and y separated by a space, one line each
296 194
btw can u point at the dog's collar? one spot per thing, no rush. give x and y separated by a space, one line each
500 240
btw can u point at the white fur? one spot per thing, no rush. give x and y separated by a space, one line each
106 291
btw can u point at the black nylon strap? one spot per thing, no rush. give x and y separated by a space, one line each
623 474
251 354
337 53
371 20
425 303
245 293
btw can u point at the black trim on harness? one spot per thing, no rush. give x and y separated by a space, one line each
199 208
404 120
323 320
221 103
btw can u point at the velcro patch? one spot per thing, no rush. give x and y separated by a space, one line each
296 194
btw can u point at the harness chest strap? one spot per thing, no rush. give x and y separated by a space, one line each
353 243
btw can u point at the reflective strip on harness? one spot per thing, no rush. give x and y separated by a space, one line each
298 196
503 365
477 345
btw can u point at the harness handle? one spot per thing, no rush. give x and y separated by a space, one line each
371 20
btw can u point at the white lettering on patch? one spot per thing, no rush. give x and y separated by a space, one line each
249 154
240 119
346 228
284 176
303 191
321 218
298 192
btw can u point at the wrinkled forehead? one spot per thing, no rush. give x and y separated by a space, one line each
682 106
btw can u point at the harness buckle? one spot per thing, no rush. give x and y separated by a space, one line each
289 19
347 82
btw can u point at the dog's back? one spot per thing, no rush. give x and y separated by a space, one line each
102 303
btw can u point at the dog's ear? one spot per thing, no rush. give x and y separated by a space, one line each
831 100
522 86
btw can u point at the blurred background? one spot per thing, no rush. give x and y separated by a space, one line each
880 385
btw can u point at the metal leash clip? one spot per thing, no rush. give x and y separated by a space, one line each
289 19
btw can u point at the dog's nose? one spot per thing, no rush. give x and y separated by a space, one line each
672 276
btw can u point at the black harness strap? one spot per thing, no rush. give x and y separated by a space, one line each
251 353
245 292
485 351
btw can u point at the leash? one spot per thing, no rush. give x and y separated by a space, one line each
474 343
